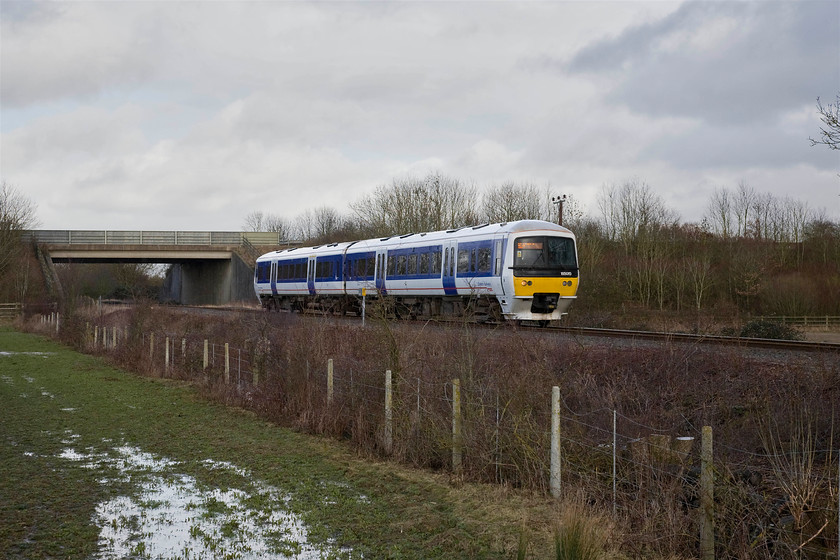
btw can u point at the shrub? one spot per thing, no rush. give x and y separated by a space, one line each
770 329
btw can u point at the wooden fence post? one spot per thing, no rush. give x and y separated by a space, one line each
389 414
114 335
151 346
206 353
707 497
166 355
329 381
614 455
227 363
457 434
554 477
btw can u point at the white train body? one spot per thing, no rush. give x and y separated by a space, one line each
524 270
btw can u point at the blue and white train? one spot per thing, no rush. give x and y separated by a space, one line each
524 270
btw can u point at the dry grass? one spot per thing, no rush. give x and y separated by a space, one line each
506 378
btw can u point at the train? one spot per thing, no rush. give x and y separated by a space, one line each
518 271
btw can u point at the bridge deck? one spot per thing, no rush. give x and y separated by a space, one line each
165 254
139 237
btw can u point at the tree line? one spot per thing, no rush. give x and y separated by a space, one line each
752 252
413 205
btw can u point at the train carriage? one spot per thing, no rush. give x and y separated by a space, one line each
523 270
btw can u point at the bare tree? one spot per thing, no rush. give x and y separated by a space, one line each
822 238
260 221
742 205
511 201
413 205
719 213
254 221
279 225
17 213
326 223
698 269
633 213
830 131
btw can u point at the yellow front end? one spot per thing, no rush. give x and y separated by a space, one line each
540 298
528 286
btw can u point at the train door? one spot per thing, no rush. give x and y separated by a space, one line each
449 260
499 261
310 275
273 278
379 280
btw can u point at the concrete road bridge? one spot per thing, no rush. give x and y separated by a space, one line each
209 267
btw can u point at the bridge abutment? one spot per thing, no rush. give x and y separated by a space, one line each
210 282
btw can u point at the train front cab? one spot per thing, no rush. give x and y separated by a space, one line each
545 276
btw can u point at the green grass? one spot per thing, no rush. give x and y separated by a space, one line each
67 400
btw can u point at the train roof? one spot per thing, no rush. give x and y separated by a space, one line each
424 238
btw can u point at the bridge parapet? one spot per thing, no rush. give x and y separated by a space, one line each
122 237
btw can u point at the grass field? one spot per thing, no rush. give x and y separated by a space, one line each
99 463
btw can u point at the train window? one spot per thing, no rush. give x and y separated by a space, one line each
424 263
483 259
300 271
401 265
544 256
412 265
360 268
463 261
263 272
371 267
452 261
473 260
436 258
392 265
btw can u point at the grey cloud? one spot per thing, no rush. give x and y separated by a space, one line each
75 50
781 54
708 147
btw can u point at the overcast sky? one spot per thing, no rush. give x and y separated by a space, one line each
190 115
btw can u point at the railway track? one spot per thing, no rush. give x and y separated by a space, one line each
704 339
744 342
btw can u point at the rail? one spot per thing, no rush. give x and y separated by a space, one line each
705 339
141 237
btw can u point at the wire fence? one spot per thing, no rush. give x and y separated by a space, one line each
776 499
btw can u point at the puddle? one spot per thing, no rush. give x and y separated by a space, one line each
173 516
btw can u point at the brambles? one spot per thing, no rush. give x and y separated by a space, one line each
770 329
659 394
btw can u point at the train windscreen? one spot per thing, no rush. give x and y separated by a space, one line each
544 256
